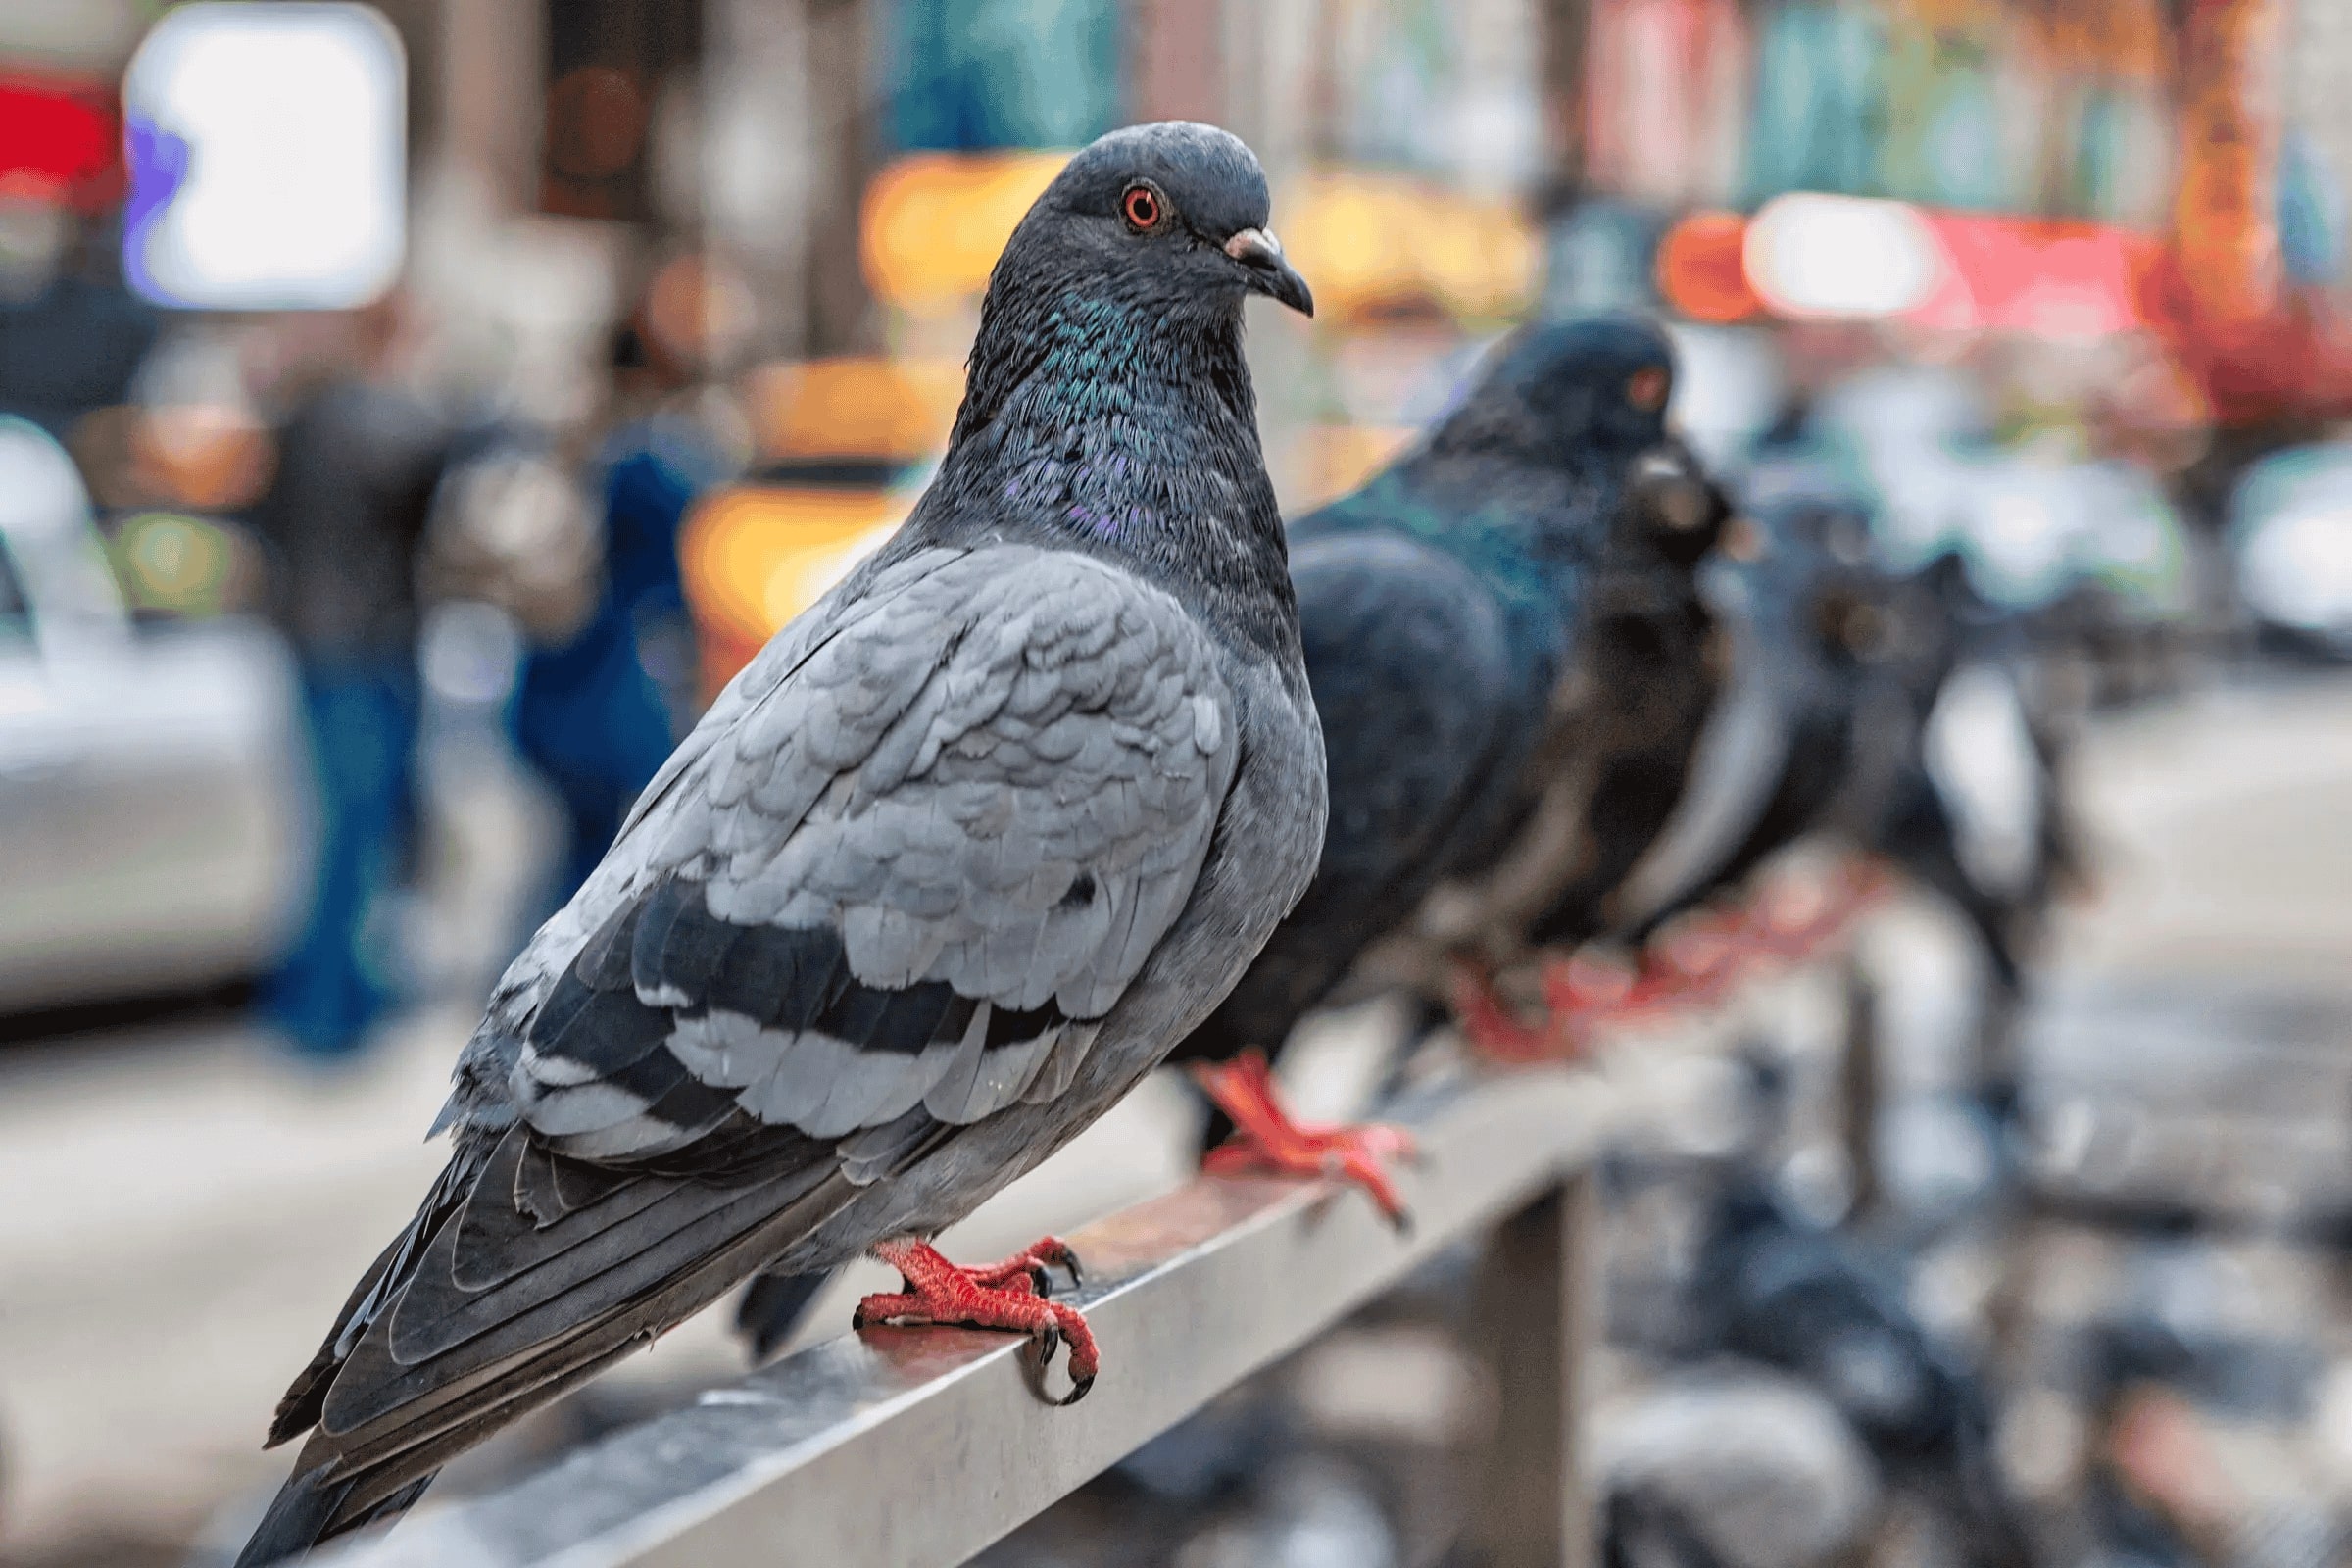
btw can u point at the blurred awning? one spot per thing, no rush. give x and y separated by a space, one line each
1816 256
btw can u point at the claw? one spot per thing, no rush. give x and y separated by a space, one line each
1266 1138
1002 1296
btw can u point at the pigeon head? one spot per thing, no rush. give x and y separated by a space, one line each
1122 287
1170 217
1130 268
1568 393
1107 405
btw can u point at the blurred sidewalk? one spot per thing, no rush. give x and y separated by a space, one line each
2221 829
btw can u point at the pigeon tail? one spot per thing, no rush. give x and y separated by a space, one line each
302 1514
773 1308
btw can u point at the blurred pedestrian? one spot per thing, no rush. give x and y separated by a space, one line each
359 456
657 461
597 709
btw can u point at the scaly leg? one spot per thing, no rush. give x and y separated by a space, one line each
1266 1138
1009 1296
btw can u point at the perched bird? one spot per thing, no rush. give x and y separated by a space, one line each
1976 812
1772 1289
1498 633
1814 723
1441 612
939 877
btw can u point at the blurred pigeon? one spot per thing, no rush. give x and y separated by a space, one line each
1651 664
1814 725
1813 1303
939 877
1470 618
1976 812
1732 1465
1438 605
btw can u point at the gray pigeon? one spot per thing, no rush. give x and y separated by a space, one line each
942 874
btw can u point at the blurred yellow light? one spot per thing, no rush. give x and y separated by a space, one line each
934 223
211 458
1370 243
755 556
865 409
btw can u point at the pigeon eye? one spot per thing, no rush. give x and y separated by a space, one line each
1646 389
1142 208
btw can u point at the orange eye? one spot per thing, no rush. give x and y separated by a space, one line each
1142 208
1646 389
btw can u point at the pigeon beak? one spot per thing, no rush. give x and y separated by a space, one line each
1260 255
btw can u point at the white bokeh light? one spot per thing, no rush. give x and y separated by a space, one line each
1842 255
268 157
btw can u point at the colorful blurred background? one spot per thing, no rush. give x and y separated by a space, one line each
411 412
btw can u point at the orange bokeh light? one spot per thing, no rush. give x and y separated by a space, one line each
933 224
1701 271
865 409
755 556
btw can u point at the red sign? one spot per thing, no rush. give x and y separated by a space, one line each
2052 279
62 141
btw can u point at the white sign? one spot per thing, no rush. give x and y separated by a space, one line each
266 143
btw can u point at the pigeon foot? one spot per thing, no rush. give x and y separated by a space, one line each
1009 1294
1266 1139
1579 994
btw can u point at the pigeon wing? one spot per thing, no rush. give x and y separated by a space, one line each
910 876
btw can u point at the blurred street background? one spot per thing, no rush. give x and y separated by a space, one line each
411 413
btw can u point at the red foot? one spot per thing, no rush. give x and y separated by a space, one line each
1580 991
1694 964
1011 1295
1265 1138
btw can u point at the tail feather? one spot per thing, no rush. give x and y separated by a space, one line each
772 1309
349 1478
300 1517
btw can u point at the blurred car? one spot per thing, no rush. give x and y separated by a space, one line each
154 791
2290 537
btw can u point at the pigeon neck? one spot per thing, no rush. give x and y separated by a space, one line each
1130 435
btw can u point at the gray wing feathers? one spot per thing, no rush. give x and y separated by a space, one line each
1007 784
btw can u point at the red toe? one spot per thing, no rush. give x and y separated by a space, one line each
1266 1138
1003 1295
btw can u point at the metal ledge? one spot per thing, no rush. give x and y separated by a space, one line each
918 1448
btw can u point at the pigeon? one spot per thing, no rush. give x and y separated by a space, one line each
1816 1304
1439 610
939 877
1453 609
1976 811
1814 722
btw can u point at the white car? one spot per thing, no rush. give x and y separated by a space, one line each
155 797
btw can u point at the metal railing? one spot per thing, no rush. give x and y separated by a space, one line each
918 1448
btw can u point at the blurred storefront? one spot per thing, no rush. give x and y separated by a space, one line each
794 203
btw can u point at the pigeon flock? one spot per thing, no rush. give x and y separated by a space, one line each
1098 764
